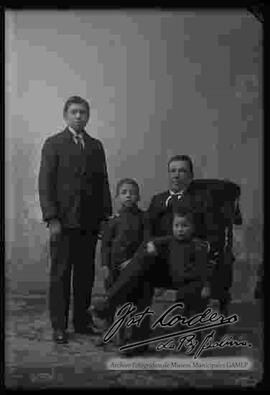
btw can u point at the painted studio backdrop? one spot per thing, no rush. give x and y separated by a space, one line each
159 83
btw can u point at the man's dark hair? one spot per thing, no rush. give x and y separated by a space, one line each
185 212
184 158
129 181
76 100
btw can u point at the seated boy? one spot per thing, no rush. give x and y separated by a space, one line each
187 257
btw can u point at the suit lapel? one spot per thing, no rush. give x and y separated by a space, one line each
89 152
76 157
70 146
162 201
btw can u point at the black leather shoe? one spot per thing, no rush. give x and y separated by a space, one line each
60 336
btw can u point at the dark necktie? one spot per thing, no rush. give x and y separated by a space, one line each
175 202
79 141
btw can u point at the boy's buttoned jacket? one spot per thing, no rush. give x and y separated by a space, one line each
123 235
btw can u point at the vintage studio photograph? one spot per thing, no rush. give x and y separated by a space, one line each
133 198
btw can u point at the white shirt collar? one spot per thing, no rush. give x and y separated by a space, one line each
172 193
76 135
176 193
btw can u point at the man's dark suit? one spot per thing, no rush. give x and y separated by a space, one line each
74 188
160 214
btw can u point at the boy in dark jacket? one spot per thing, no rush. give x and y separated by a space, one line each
122 235
187 259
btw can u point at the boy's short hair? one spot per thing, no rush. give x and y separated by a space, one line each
76 100
129 181
185 212
184 158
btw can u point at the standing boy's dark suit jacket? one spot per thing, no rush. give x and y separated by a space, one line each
73 185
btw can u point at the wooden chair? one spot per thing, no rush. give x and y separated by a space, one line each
224 212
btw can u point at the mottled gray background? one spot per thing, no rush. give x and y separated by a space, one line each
160 83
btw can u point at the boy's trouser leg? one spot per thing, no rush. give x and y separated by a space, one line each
59 292
130 278
77 248
194 303
195 306
143 299
83 259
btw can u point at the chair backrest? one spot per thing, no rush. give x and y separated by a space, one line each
225 210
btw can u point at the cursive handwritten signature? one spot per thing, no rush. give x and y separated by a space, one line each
128 316
191 344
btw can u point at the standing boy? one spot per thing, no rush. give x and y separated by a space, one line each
74 198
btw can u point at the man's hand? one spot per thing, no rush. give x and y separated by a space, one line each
54 228
151 248
205 291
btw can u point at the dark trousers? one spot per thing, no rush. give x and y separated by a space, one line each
190 294
140 293
136 284
113 276
72 248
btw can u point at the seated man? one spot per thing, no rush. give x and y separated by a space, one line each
182 192
216 207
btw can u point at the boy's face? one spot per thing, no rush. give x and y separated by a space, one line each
128 195
182 228
76 116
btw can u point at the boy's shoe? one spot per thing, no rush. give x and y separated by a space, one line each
102 309
60 336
